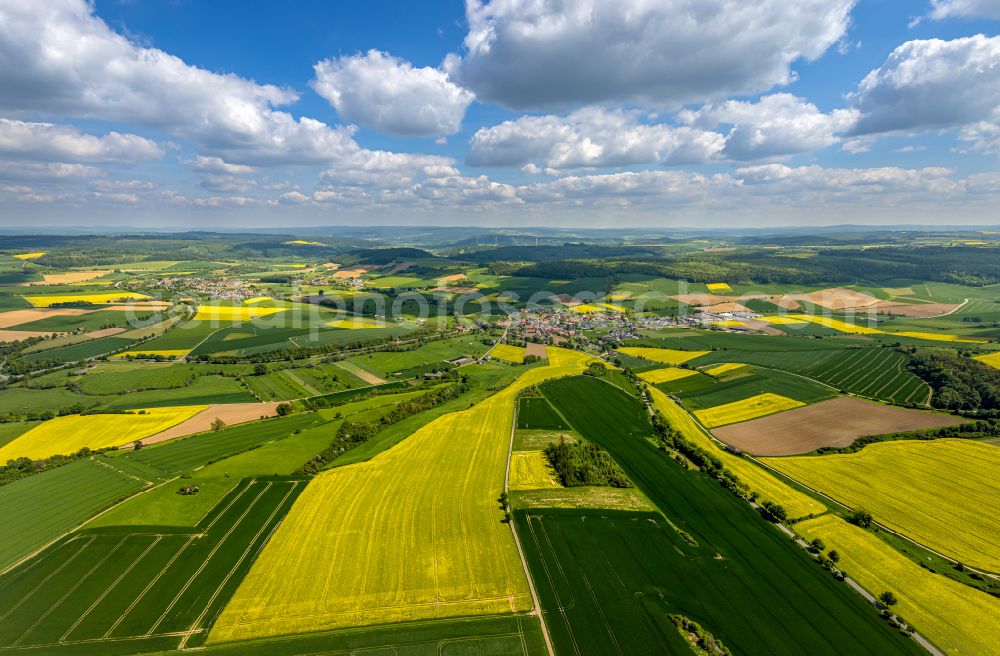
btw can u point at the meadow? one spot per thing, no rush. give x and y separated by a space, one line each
69 434
941 493
440 484
710 557
955 617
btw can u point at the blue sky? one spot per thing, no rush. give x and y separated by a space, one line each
508 112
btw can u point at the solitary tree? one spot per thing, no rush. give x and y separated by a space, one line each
818 544
218 424
888 599
862 518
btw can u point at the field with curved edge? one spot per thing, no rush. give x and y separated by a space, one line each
69 434
412 534
746 409
233 313
956 618
992 359
754 477
46 300
942 493
661 355
666 375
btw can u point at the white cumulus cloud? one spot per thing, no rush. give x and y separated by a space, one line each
557 53
590 137
931 85
776 125
388 94
64 143
965 9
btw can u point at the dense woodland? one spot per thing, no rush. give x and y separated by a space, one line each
585 464
959 383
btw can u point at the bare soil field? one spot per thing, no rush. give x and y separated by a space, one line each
452 278
838 298
71 277
530 348
918 310
138 307
837 422
763 327
355 272
719 308
231 413
17 317
19 335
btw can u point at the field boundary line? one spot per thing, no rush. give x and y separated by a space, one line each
149 586
71 590
517 540
208 558
201 616
46 579
107 591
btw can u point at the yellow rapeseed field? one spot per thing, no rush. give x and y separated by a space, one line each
732 323
594 308
666 375
412 534
941 337
30 256
719 287
992 359
508 353
356 323
531 470
756 478
942 493
46 300
257 299
837 324
661 355
166 353
232 313
69 434
956 618
723 369
302 242
745 410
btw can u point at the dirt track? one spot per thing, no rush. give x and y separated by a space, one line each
837 422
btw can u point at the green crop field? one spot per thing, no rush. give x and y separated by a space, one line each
535 412
82 351
90 321
755 381
203 390
387 362
609 580
879 373
42 507
186 335
144 587
131 377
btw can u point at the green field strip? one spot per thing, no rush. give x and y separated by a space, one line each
742 580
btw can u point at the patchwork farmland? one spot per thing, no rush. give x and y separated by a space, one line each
294 445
